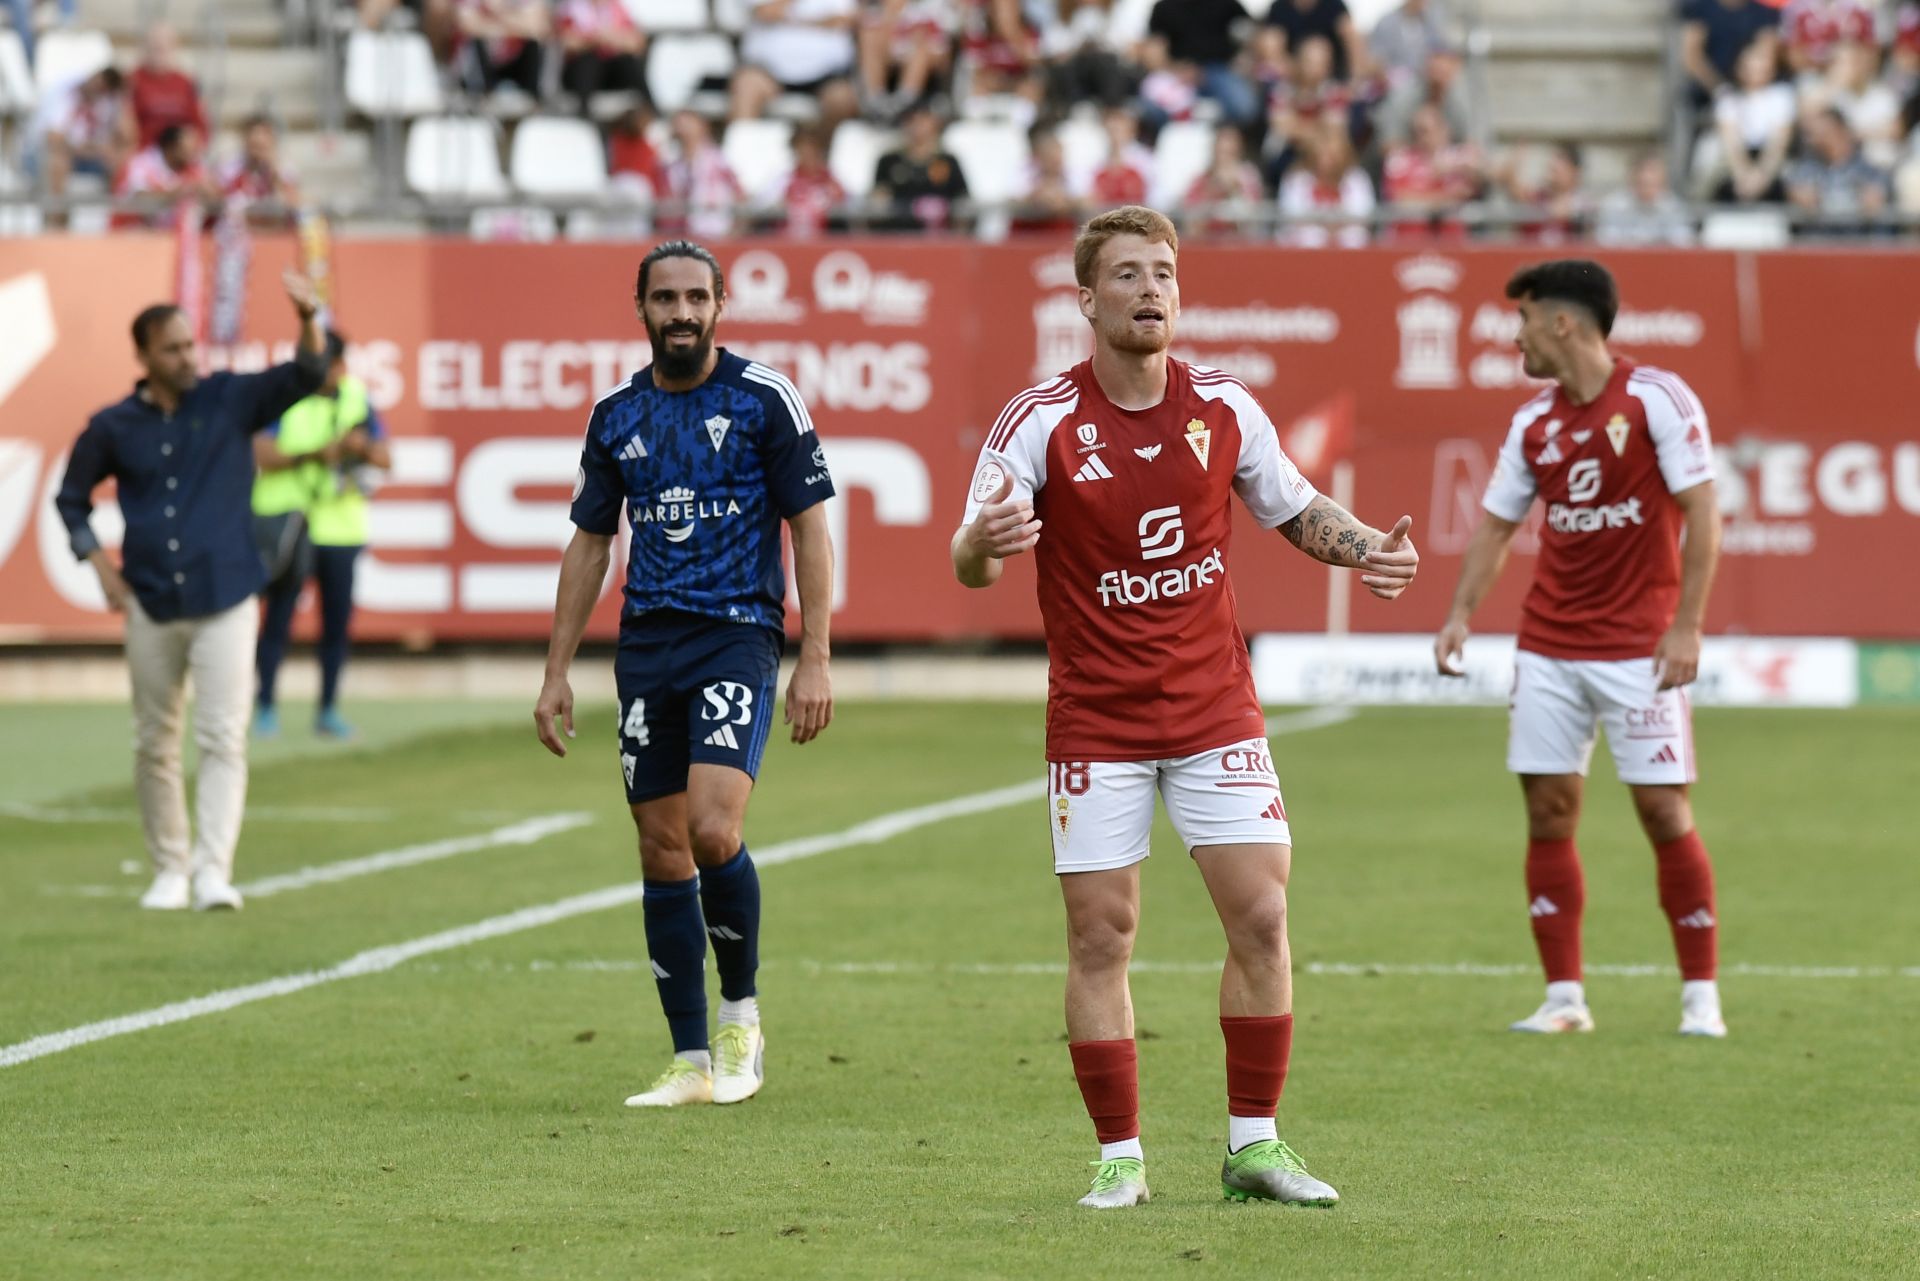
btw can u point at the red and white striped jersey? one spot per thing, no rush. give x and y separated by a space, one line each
1146 658
1608 577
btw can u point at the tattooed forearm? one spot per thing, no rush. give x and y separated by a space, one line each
1329 532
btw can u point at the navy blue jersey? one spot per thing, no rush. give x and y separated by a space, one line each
706 476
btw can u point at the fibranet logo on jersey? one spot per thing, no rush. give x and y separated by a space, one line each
1565 519
1124 587
678 510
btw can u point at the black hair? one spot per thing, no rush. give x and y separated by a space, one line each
170 135
150 320
1579 281
680 249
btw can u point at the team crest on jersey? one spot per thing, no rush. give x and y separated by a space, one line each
1199 439
717 430
1617 429
1062 814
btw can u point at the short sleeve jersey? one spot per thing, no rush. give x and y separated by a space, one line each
1146 659
1608 577
705 476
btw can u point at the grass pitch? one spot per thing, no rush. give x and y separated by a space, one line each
458 1114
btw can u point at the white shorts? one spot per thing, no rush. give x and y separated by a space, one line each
1557 701
1101 812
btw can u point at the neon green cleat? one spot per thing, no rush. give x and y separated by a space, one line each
1269 1170
739 1053
1118 1183
682 1083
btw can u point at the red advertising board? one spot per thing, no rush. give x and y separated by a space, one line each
485 359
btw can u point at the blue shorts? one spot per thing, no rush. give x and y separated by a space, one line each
692 689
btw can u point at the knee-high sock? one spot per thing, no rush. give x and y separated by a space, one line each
677 946
1257 1053
1556 895
1109 1076
1686 895
730 893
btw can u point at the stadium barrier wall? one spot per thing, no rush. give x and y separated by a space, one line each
485 360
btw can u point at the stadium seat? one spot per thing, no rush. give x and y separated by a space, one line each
658 16
1085 142
613 223
456 158
558 156
20 220
855 153
1745 229
993 157
16 79
392 74
1180 155
516 224
761 155
732 16
65 57
676 64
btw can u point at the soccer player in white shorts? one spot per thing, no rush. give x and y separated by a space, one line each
1610 632
1131 461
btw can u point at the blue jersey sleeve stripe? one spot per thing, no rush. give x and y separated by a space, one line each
802 421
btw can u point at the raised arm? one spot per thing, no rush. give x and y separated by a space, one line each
1330 533
1676 659
1486 556
583 569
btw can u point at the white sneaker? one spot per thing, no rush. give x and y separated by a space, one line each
168 893
1700 1010
738 1067
1557 1016
682 1083
212 891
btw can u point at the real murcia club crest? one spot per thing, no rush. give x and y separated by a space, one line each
1199 438
717 430
1062 814
1617 429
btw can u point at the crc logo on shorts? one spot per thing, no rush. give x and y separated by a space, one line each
679 510
1565 519
1583 481
1662 720
1249 761
1161 533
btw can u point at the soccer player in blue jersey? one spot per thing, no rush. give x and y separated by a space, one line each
708 453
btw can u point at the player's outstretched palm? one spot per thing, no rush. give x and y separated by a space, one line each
1006 525
1392 565
556 702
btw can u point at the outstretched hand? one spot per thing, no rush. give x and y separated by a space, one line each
1391 566
302 292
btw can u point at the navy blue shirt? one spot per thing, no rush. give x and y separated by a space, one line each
186 487
1729 30
706 477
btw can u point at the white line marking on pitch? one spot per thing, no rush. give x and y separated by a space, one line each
381 959
255 814
522 833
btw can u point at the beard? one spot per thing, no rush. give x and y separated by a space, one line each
1124 337
683 364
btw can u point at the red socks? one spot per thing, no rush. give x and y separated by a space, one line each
1686 895
1556 895
1109 1076
1257 1051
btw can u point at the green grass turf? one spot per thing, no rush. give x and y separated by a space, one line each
460 1116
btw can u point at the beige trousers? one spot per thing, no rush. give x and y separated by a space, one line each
217 651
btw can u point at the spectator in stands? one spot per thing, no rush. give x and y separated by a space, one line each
1086 61
1713 34
1903 62
1326 199
1417 64
163 94
256 181
1405 37
918 185
700 182
1852 86
89 130
601 47
637 170
23 21
1299 106
1048 201
1431 173
906 48
1127 173
1646 212
1815 29
1001 49
798 46
812 195
1753 125
1834 180
1304 19
1194 42
161 177
1557 193
502 44
1227 197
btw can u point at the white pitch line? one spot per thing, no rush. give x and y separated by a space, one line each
522 833
381 959
255 814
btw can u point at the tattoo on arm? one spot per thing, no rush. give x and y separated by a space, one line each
1328 532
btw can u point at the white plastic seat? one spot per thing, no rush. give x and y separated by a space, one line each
1085 143
558 156
392 74
855 153
1745 229
760 153
676 64
732 16
528 224
16 78
1180 155
64 57
993 158
21 220
455 158
655 16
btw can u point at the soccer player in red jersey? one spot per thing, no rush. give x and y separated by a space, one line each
1610 631
1128 460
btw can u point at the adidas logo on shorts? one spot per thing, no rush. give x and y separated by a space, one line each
723 737
1664 756
1274 812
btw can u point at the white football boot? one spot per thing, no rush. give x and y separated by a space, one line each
1558 1014
170 892
682 1083
1700 1009
214 892
1117 1184
739 1052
